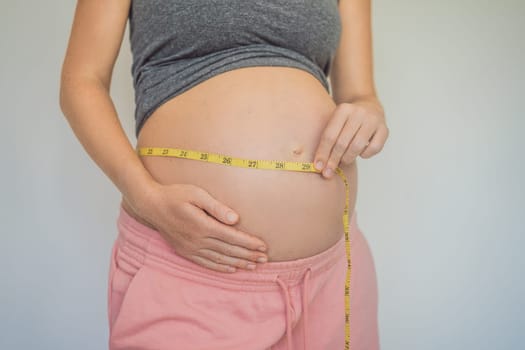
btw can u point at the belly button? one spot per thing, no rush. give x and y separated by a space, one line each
297 151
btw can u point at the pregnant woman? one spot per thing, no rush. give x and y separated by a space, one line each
212 256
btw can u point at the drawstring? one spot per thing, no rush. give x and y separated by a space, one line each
305 306
288 313
304 296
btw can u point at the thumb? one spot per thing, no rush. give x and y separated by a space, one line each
215 208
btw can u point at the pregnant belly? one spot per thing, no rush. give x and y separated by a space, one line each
273 113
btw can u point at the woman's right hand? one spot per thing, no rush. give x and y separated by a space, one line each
198 227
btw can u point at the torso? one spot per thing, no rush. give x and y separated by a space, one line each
275 113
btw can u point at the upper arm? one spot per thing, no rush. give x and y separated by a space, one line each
95 39
351 75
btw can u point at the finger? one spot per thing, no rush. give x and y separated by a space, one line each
329 137
222 259
358 144
208 226
204 200
235 251
376 144
211 264
350 129
234 236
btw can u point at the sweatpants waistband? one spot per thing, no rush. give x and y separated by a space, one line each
145 245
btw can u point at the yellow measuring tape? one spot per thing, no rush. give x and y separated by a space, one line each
270 165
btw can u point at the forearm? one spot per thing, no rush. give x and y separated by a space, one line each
91 114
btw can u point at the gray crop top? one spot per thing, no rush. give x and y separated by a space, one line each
176 44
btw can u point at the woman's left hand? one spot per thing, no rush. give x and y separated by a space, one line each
355 129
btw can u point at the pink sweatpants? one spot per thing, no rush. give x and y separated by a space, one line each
158 300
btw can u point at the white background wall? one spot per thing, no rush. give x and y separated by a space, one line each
442 205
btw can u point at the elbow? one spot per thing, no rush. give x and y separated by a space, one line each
64 93
62 98
72 87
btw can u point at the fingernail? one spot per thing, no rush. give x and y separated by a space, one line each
262 259
231 269
231 216
328 172
319 165
250 266
262 248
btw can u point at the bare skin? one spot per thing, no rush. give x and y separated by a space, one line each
287 115
280 117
